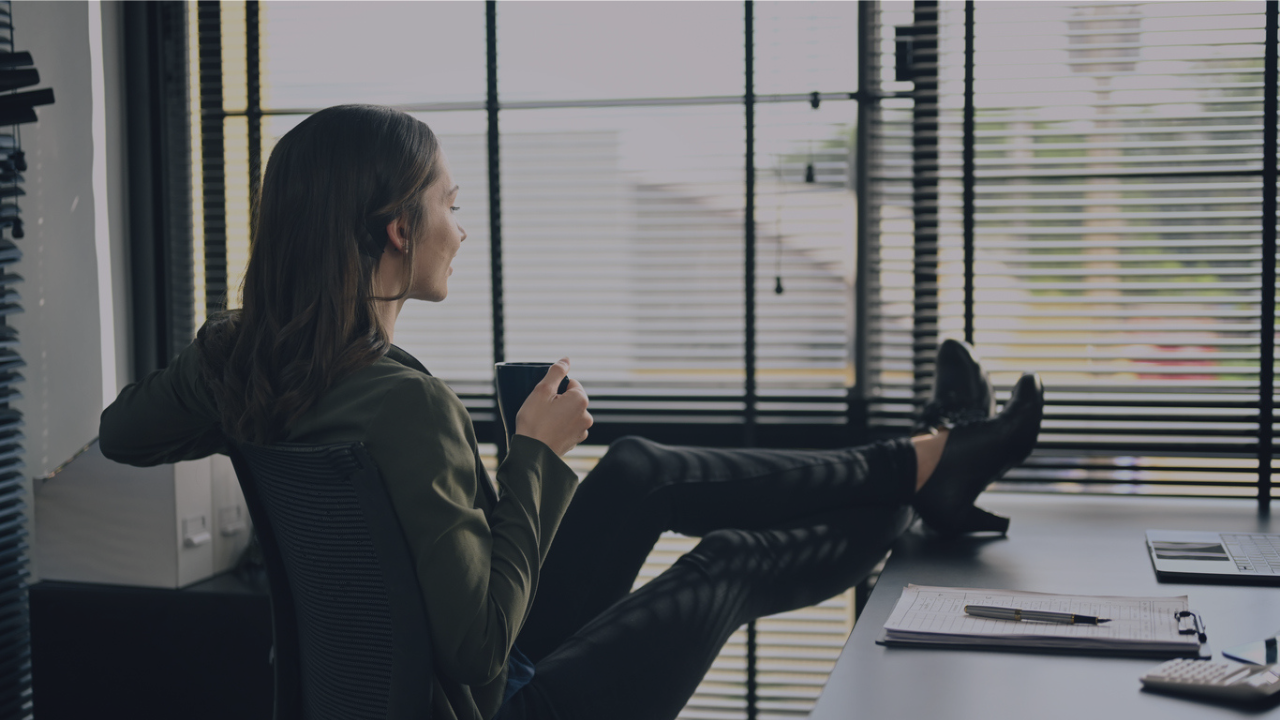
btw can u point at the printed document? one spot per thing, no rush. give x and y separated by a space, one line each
935 616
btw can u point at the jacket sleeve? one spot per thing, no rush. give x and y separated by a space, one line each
166 417
477 574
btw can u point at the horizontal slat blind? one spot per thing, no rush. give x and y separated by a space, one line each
16 699
1112 256
891 223
805 223
623 249
210 186
1117 232
641 283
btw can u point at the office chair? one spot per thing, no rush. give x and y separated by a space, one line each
350 628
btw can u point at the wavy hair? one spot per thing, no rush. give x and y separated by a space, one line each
333 184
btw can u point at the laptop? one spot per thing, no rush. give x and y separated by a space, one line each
1236 558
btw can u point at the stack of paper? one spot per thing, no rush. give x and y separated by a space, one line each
1139 625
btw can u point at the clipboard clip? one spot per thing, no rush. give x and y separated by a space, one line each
1197 627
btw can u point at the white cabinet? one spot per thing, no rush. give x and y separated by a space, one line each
166 526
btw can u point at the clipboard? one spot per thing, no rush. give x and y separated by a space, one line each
928 616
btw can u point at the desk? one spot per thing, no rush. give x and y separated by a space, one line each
110 651
1056 544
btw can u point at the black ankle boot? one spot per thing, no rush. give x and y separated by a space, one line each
962 392
976 454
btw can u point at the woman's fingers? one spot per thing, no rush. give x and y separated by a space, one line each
558 420
575 386
555 375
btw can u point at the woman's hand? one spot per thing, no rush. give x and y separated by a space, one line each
558 420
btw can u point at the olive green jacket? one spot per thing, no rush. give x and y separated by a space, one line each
477 556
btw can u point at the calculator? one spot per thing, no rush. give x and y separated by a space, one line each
1218 679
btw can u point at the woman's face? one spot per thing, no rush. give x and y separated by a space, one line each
440 239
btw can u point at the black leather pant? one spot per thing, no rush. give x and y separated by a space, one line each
780 530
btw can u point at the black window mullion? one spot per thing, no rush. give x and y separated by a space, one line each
495 210
1267 335
749 240
749 319
868 90
925 167
253 71
968 153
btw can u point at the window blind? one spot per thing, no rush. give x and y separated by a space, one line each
211 236
18 75
805 221
655 324
889 226
1118 233
623 226
623 250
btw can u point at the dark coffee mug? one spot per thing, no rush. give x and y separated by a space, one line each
515 381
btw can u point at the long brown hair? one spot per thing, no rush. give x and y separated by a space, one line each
309 318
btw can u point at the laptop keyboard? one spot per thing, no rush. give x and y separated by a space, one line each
1254 553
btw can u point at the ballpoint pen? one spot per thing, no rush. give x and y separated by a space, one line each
1004 613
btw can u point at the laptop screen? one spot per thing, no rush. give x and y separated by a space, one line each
1166 550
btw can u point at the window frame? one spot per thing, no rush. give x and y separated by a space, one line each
867 413
715 428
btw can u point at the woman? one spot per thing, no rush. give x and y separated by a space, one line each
356 216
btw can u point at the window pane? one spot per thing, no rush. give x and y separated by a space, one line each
317 54
1125 89
622 248
585 50
1117 239
805 46
890 268
1111 257
235 133
805 235
891 223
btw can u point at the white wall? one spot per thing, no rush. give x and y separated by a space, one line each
72 229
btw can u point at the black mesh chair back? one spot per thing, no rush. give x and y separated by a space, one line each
350 627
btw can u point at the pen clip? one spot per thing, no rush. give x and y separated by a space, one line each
1197 628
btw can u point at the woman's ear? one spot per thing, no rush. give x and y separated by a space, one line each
397 236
